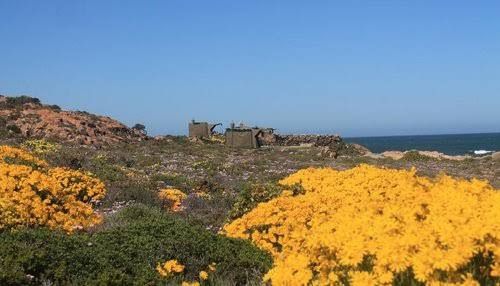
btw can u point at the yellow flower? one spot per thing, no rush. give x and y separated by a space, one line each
194 283
363 278
389 221
34 194
203 275
12 155
173 198
169 268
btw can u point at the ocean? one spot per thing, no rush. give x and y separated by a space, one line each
453 144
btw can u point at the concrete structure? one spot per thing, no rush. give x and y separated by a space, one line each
243 136
201 129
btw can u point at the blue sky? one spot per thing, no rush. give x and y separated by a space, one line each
358 68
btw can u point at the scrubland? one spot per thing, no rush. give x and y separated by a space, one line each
172 211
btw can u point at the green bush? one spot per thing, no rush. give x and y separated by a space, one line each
54 107
125 251
251 195
18 101
208 205
132 190
178 181
413 156
105 170
14 129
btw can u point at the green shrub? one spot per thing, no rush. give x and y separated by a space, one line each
83 157
208 204
13 102
125 251
14 129
142 192
413 156
140 127
54 107
252 194
176 180
104 170
4 134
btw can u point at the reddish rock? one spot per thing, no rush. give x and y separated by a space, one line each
36 120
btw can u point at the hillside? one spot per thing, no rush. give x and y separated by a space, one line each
183 211
27 117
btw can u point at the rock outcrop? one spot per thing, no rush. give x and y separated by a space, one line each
313 140
28 117
398 155
335 145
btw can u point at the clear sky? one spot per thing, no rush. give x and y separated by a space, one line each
358 68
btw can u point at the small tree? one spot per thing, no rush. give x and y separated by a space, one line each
140 127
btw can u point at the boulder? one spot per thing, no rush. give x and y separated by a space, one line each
495 156
396 155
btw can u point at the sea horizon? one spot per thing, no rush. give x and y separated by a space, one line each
450 144
415 135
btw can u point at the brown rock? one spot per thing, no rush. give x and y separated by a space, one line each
43 121
396 155
495 156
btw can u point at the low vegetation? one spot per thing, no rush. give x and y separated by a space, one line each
126 250
372 226
50 232
153 213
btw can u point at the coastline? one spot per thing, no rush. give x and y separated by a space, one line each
398 155
424 154
477 144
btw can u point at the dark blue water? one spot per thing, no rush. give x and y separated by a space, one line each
456 144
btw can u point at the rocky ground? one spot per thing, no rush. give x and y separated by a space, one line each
27 117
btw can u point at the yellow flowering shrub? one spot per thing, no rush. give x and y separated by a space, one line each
12 155
39 146
172 267
173 197
34 194
375 226
169 268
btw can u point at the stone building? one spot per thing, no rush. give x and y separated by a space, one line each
246 137
201 129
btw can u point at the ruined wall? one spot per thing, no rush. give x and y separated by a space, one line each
314 140
199 129
241 138
333 144
266 138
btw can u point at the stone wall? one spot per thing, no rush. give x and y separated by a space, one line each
333 144
314 140
199 129
241 138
